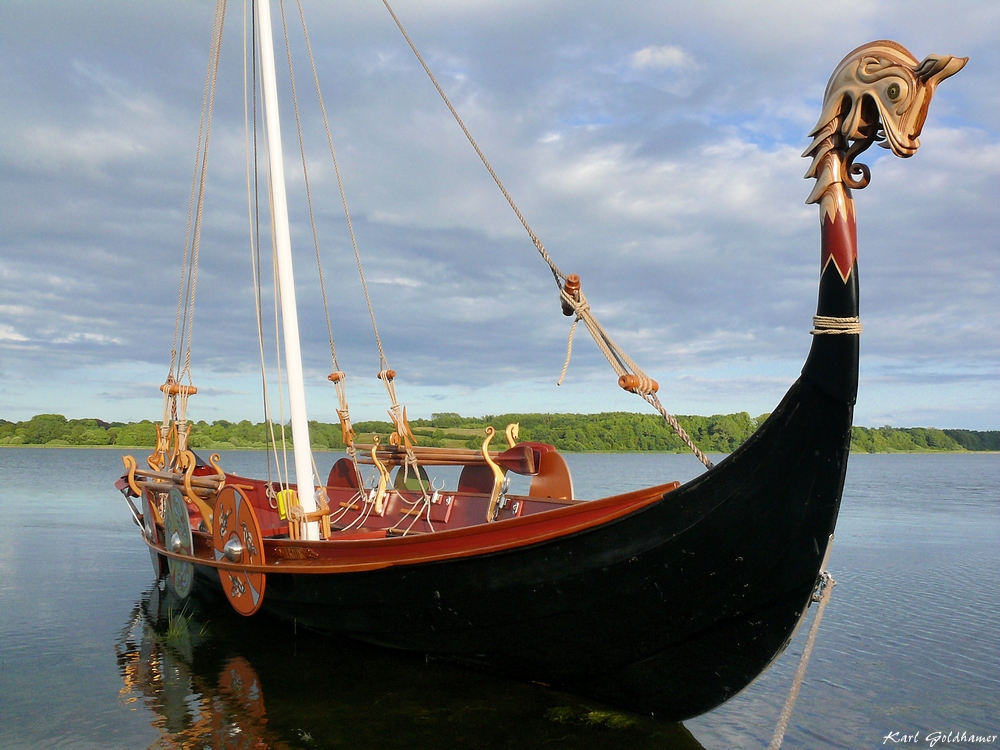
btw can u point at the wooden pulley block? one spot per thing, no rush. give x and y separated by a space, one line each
572 290
237 539
177 530
152 534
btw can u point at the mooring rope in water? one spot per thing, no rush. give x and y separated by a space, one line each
822 595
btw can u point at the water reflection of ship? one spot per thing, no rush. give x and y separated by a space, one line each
193 704
205 687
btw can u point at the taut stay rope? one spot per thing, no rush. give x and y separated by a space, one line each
630 375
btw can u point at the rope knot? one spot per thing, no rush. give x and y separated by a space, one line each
576 305
571 296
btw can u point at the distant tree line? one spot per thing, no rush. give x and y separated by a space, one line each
609 431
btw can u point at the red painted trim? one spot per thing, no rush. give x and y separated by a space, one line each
355 555
839 243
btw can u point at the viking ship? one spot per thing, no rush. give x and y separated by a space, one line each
669 599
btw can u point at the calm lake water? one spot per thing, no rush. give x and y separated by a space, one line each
90 656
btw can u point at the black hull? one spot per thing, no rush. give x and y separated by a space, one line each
672 609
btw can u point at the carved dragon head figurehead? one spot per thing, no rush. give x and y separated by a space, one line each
878 94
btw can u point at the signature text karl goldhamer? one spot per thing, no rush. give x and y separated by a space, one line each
933 738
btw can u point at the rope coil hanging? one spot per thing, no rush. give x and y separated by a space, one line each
630 376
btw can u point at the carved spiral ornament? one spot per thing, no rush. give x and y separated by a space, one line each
850 170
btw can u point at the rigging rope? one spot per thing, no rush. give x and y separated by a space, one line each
253 217
183 285
383 364
556 273
175 396
397 413
191 259
305 175
337 376
631 376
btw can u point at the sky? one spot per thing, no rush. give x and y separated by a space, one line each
654 148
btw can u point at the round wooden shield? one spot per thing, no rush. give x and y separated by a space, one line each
152 534
177 529
237 538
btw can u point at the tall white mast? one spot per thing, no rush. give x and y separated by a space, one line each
286 279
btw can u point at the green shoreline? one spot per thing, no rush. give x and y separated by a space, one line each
608 432
920 452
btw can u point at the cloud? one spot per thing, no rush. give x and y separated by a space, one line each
661 58
396 281
653 147
7 333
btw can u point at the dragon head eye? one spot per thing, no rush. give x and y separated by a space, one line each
892 91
